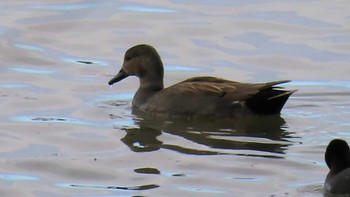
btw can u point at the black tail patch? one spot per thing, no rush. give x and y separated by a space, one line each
269 101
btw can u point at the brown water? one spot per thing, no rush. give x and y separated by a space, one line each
65 132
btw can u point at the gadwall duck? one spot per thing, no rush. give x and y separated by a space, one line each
202 96
338 161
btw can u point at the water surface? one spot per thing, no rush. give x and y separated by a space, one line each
65 132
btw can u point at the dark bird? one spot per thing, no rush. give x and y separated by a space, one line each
337 157
197 96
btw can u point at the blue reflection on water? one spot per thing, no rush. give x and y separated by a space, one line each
180 68
28 47
326 83
64 6
49 119
67 120
121 96
147 9
31 70
52 119
12 85
127 122
18 177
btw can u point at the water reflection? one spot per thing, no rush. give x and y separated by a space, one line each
28 47
265 136
264 44
147 9
286 18
31 70
18 177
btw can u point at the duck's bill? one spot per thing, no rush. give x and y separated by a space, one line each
120 76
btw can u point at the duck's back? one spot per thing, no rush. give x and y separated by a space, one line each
210 96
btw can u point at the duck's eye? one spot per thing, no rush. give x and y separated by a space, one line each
128 57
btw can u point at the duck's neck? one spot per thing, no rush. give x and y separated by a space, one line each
147 89
151 84
339 166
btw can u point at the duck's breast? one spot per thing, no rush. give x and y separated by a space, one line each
338 183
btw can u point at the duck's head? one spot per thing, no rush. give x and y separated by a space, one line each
142 61
337 155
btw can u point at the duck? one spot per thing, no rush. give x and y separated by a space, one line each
198 96
337 158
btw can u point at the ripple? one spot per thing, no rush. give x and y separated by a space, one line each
27 87
157 172
12 85
30 151
52 119
343 83
288 18
122 96
246 179
310 188
203 190
85 61
170 174
65 7
147 9
48 119
32 70
92 186
88 136
336 38
266 45
147 171
28 47
18 177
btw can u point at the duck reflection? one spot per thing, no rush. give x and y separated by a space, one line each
266 135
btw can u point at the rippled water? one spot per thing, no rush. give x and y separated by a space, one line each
65 132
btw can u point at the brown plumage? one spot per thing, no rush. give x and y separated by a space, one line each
204 96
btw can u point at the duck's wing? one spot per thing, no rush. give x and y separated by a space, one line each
210 96
203 89
261 98
216 87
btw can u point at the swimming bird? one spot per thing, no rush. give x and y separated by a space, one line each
197 96
337 157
